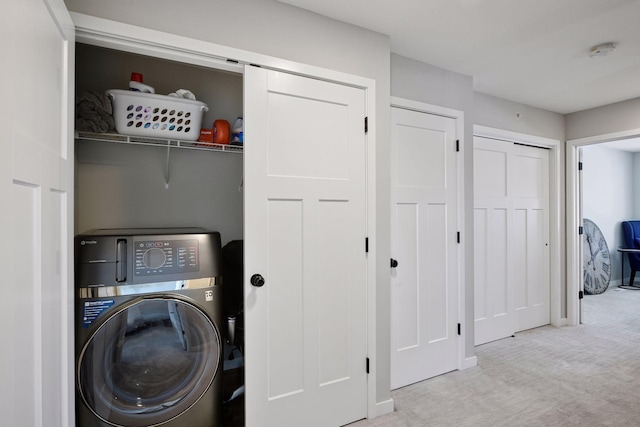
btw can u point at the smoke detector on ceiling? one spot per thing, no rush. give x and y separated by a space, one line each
602 50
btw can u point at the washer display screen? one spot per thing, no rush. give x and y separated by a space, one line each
154 257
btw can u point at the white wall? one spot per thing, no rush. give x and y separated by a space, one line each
610 118
502 114
608 195
279 30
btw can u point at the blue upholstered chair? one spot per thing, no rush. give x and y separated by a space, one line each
631 230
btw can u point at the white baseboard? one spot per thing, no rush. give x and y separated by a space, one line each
562 322
469 362
385 407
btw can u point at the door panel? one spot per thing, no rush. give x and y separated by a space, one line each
305 229
493 318
519 247
412 152
407 292
284 220
424 294
318 157
511 238
333 304
434 298
35 165
24 373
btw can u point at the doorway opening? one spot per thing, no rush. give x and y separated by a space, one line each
584 200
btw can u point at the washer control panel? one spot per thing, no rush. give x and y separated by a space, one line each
157 257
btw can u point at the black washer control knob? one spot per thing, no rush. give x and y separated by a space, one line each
257 280
154 258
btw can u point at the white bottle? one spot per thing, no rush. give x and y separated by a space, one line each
136 84
237 133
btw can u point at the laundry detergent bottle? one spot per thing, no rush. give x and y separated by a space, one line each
136 84
221 132
237 133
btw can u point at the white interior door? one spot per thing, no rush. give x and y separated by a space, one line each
305 235
35 171
424 289
511 253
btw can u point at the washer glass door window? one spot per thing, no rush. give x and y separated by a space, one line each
149 362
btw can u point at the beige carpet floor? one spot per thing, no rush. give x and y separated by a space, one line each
587 375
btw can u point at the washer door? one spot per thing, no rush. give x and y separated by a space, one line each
149 362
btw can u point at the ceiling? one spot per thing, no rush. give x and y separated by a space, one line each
535 52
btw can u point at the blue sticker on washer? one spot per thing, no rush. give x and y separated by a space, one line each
92 309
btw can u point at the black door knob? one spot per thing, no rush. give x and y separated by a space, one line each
257 280
394 263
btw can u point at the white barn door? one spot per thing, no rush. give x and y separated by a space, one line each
511 244
305 235
35 179
424 286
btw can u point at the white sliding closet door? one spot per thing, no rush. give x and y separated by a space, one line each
511 223
305 229
531 236
494 297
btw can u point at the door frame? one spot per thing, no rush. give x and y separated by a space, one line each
574 243
556 303
130 38
421 107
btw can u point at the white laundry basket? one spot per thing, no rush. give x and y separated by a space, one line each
152 115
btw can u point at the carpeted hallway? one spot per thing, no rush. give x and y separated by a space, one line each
587 375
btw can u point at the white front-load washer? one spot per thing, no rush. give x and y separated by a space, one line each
148 323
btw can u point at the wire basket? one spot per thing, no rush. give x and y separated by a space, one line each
161 116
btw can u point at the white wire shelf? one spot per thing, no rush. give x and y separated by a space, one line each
157 142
